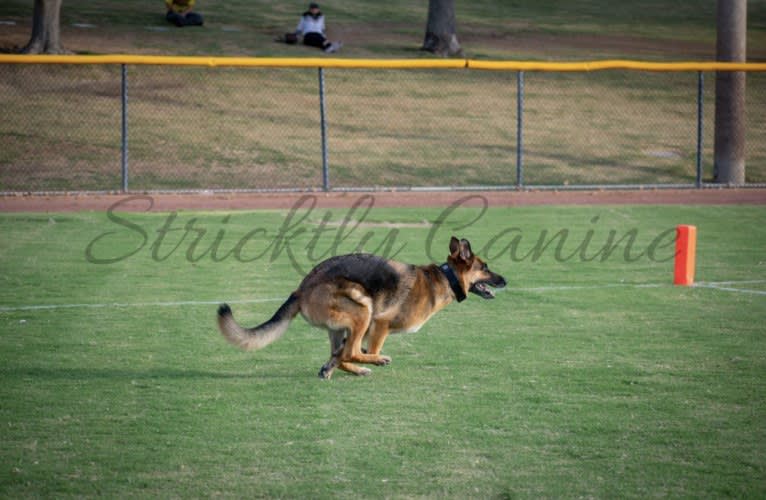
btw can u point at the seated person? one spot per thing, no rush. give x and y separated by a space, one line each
311 26
180 13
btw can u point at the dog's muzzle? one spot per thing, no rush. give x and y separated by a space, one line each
481 288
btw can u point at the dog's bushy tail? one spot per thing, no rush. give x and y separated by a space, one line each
261 335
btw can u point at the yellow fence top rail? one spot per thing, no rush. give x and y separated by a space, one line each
614 64
258 62
321 62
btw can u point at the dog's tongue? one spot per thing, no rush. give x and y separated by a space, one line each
483 288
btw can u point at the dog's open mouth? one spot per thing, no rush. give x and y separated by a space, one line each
482 290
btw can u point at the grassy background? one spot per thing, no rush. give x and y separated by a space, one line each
612 389
210 128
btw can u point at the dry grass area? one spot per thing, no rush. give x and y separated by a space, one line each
197 128
202 128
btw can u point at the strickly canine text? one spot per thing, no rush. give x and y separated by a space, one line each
362 296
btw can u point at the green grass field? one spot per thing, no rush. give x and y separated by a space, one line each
589 376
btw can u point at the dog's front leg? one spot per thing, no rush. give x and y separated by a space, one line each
376 336
379 331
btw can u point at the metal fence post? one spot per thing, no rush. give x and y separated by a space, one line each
124 117
323 123
700 117
520 130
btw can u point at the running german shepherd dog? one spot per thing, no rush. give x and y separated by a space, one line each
362 296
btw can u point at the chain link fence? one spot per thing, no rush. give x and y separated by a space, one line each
68 127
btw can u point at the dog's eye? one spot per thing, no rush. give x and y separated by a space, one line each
485 267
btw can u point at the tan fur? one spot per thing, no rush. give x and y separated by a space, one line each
357 297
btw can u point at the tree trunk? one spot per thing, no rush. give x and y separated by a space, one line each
45 29
441 38
731 46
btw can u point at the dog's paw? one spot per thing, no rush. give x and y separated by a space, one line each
383 360
363 372
326 372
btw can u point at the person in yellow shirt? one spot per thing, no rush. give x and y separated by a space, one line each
180 13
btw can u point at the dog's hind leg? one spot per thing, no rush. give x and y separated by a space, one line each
362 326
337 343
337 339
358 318
345 309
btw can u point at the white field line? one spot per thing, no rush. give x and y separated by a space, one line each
718 285
564 288
721 283
44 307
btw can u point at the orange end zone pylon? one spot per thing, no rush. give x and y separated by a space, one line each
686 250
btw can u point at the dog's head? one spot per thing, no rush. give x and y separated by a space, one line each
473 273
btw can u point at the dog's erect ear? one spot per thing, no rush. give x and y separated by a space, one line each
454 247
465 250
460 249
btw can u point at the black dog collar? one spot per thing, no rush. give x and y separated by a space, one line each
454 284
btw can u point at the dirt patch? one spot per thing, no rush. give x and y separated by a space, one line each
242 201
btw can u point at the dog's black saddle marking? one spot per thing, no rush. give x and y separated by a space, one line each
373 273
